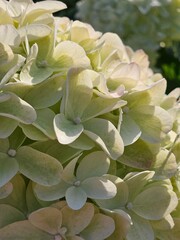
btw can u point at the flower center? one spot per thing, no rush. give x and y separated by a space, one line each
11 152
77 183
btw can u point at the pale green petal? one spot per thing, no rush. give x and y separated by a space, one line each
41 8
94 164
47 219
46 93
61 152
32 74
7 126
9 215
125 74
34 31
121 198
51 193
23 230
154 203
122 223
33 133
66 131
17 109
71 51
106 135
31 201
9 35
68 174
153 121
75 238
44 122
130 131
137 181
75 197
82 142
17 198
38 166
101 227
6 190
99 106
164 165
18 63
79 91
8 168
140 230
137 155
99 188
77 220
166 223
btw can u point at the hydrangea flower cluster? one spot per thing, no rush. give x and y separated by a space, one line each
145 24
89 141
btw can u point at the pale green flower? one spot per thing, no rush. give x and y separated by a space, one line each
89 181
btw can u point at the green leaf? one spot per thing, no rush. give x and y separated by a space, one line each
8 168
21 111
6 190
7 126
9 215
99 188
130 131
137 155
47 219
94 164
23 230
154 208
66 130
105 135
140 230
100 228
75 197
77 220
38 166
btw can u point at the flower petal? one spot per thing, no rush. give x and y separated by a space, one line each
66 131
75 197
